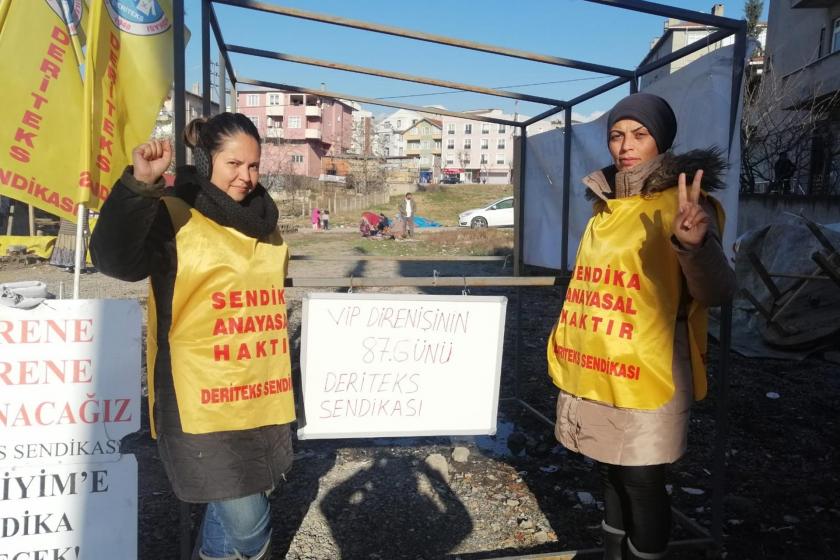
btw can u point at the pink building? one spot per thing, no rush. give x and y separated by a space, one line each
298 129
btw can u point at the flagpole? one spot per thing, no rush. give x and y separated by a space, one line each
77 269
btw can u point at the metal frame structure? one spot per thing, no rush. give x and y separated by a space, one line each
726 27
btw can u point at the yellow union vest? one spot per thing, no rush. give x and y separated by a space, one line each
614 339
228 341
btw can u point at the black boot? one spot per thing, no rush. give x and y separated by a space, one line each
615 542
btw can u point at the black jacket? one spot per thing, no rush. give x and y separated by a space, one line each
134 239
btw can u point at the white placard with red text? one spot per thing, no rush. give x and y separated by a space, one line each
82 511
400 365
69 380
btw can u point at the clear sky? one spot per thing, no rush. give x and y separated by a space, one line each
573 29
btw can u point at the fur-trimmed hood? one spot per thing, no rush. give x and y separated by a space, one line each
658 174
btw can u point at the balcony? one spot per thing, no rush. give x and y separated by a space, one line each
274 133
274 110
312 133
313 111
814 81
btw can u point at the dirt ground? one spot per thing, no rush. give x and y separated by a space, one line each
518 492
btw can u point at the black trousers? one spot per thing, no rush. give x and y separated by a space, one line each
636 501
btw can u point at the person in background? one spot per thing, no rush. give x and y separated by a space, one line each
204 246
407 211
325 219
783 171
628 350
316 219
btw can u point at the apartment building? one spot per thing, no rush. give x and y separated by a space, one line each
389 132
478 151
423 142
678 34
298 129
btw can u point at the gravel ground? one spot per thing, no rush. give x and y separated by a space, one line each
518 492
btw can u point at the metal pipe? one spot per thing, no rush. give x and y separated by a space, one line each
205 58
373 101
671 12
721 424
567 189
427 37
220 42
422 282
519 203
739 56
685 51
392 75
597 91
544 114
354 258
179 96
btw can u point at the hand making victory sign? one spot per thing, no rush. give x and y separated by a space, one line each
692 221
151 159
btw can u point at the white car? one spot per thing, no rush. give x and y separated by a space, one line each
497 214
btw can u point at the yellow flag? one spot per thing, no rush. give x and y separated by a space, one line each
39 117
128 72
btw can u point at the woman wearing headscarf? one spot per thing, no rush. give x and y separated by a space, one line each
628 349
220 399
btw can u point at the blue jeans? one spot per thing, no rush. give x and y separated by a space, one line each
236 528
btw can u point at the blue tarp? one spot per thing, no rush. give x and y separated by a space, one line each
421 222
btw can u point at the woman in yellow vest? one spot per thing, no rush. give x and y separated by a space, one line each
220 397
628 349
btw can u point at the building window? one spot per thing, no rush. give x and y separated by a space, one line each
294 122
387 152
297 158
501 144
425 131
253 100
485 144
295 100
399 124
500 159
451 128
274 99
483 159
450 143
485 128
437 145
467 144
501 129
450 161
835 36
468 128
256 120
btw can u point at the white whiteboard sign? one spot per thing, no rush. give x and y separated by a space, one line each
84 511
69 380
400 365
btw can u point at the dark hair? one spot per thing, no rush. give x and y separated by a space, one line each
211 133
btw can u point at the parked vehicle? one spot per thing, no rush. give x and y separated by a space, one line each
451 179
497 214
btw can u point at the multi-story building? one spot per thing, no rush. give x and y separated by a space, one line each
478 151
423 141
298 129
803 54
679 34
389 132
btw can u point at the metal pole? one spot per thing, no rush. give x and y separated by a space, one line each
722 424
567 188
392 75
205 58
180 86
380 102
77 257
222 84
